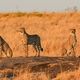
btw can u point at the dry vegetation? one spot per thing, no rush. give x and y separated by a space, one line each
73 75
40 68
53 29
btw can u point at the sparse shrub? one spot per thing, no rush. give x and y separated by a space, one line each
20 14
36 14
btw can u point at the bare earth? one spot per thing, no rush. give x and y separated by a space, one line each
51 66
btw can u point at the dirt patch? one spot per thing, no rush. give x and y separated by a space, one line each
53 66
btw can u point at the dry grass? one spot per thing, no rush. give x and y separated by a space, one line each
72 75
39 68
32 76
53 28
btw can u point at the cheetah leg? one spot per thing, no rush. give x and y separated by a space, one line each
26 50
1 51
6 53
38 51
73 52
35 49
64 52
10 53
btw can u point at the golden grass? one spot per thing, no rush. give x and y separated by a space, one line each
32 76
53 28
72 75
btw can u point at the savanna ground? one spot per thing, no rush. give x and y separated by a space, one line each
53 28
